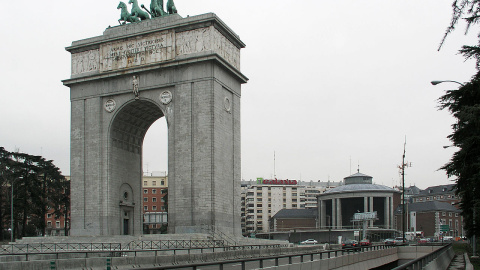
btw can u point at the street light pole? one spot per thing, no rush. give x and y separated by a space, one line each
11 210
11 213
437 82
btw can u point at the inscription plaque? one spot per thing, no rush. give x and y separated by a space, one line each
138 51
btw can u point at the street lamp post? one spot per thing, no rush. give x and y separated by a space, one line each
11 211
438 82
474 205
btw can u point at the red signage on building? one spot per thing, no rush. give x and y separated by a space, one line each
276 182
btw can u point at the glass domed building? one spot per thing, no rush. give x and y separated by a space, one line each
337 207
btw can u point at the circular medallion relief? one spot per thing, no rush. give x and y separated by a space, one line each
110 105
165 97
227 104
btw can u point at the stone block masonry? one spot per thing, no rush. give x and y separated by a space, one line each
186 70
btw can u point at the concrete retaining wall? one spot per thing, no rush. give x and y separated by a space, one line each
442 261
150 260
354 261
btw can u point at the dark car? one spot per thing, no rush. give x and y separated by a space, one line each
350 244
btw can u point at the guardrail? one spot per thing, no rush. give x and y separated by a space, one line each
421 262
133 245
126 252
275 260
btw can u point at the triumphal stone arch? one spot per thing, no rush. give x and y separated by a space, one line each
184 69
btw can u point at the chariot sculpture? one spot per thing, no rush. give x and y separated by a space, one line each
137 14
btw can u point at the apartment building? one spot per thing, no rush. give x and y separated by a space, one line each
263 198
155 201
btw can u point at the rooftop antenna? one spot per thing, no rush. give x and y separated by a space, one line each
274 175
350 165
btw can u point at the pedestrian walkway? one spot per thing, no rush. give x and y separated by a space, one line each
458 262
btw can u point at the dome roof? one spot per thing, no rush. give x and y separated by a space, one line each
358 174
358 188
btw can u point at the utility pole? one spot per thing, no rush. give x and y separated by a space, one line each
402 172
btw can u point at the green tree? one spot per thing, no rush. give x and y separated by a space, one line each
464 104
38 185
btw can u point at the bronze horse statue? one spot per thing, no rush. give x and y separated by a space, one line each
125 16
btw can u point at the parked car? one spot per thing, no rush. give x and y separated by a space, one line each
309 242
350 244
365 242
389 242
448 238
423 240
399 241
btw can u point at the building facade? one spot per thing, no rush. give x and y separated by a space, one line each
434 219
338 206
155 202
263 198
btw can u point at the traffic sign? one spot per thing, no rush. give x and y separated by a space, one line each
444 228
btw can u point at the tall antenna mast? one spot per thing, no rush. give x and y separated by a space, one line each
402 172
274 175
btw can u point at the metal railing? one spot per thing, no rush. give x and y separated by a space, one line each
57 247
421 262
133 245
138 252
260 262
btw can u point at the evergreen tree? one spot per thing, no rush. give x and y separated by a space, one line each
38 185
464 104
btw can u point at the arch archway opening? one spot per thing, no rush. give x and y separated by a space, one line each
127 134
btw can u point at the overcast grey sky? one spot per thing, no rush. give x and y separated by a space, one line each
333 84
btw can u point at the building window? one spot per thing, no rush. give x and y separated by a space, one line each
259 211
154 191
145 183
154 183
444 214
450 214
456 214
154 199
162 182
145 199
145 191
294 205
163 208
145 208
259 205
57 224
164 191
162 199
49 215
154 208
